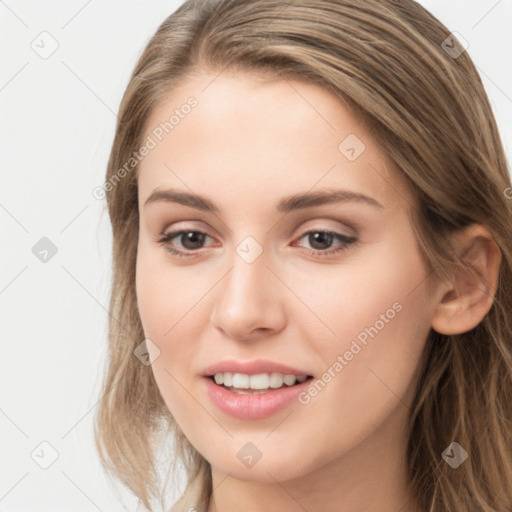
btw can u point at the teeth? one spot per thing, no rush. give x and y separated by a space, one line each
257 382
241 381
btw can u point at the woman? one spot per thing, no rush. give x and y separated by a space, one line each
312 264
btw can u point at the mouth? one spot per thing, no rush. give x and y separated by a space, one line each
262 383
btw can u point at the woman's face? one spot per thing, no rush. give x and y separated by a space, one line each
275 275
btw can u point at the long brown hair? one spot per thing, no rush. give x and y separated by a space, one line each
399 69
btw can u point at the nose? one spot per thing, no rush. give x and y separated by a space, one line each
248 303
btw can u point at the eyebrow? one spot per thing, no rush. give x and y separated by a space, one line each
288 204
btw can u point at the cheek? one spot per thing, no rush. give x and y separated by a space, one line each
381 319
165 294
172 304
163 306
373 296
150 296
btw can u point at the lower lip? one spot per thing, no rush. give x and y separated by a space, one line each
253 406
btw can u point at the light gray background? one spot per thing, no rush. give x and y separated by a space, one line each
57 124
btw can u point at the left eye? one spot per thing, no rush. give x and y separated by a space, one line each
322 238
192 240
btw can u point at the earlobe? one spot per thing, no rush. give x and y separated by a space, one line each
464 302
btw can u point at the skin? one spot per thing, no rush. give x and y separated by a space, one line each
249 143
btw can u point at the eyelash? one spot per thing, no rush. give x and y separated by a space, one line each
165 238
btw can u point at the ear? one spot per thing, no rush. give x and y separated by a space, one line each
465 301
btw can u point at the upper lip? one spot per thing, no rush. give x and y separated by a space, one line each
253 367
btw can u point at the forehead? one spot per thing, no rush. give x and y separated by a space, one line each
246 129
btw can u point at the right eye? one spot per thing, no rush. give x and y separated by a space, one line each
190 242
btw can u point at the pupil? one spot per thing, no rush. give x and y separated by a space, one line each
194 237
325 238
